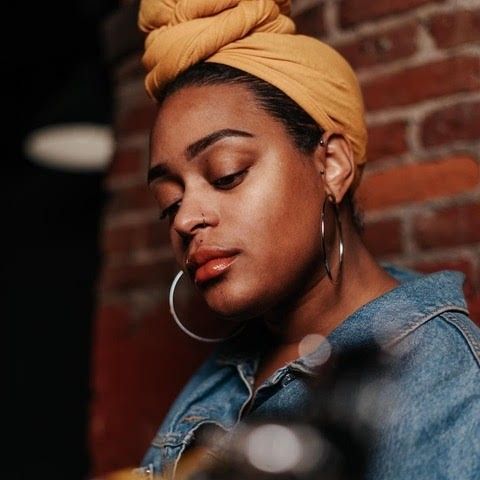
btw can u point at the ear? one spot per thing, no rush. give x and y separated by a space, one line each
334 160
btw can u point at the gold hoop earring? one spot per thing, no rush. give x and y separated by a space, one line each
338 225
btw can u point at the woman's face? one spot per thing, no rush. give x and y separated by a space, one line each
242 202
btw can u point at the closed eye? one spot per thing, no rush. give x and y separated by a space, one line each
170 210
223 183
230 181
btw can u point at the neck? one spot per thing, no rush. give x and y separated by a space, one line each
323 305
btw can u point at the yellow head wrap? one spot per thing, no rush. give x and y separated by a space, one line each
257 37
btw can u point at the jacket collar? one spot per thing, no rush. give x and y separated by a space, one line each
389 318
384 321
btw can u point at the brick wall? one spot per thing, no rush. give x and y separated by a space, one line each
419 65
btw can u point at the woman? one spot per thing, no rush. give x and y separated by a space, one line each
256 151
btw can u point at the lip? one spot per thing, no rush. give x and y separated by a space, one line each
209 262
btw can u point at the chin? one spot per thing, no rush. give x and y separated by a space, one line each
236 302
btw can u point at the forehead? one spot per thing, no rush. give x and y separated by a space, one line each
194 112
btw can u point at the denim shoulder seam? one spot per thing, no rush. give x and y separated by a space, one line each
418 322
461 323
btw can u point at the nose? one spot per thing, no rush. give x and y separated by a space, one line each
188 225
192 216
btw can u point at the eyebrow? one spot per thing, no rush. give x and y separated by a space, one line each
200 145
196 148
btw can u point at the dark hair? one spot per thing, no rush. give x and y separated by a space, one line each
302 128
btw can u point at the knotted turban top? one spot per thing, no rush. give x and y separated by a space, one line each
257 37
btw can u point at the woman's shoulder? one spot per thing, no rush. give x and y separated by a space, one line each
444 350
430 306
452 335
435 385
432 429
431 316
434 309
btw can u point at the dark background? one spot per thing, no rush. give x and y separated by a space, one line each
53 70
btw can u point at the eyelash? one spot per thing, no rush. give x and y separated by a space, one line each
219 183
168 212
232 177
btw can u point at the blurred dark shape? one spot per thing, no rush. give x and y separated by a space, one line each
53 71
333 439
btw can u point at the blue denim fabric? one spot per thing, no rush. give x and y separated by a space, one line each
434 430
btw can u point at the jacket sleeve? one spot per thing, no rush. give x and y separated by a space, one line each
433 428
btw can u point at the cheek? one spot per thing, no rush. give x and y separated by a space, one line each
284 216
279 230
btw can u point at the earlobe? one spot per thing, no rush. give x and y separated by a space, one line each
339 165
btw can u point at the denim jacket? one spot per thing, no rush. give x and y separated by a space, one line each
435 432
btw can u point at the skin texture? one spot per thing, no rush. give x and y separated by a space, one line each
270 210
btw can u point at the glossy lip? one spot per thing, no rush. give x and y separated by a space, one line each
208 262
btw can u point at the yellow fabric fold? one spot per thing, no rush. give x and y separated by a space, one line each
258 37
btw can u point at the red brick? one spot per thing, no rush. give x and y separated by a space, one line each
474 307
127 162
135 237
461 265
387 140
132 198
126 277
355 11
454 28
420 182
136 120
383 238
448 227
311 22
457 122
412 85
383 47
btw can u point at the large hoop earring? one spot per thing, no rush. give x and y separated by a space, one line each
338 225
183 327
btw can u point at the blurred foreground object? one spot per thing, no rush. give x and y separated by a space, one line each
332 440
